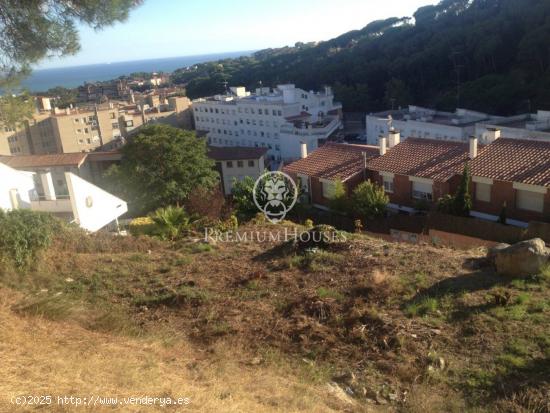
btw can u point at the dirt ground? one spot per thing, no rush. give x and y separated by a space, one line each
364 325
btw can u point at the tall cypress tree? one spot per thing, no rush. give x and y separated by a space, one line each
462 202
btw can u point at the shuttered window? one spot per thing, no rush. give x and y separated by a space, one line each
530 201
483 192
422 190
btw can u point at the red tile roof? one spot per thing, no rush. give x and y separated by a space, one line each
514 160
229 153
423 158
42 161
334 161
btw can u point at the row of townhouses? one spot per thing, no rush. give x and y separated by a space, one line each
506 172
278 120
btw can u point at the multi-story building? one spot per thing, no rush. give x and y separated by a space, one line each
85 129
279 119
532 126
89 128
418 122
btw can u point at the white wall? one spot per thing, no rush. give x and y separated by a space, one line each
379 126
238 173
93 208
257 121
22 184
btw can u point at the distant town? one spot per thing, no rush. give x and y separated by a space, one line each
415 153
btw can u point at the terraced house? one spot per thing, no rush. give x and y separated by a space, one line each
509 174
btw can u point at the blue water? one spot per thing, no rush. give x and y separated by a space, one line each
44 79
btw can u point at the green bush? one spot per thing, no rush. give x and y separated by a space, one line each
24 233
369 200
170 222
340 202
243 197
141 226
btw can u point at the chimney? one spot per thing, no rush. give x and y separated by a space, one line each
394 138
492 135
473 147
383 143
303 149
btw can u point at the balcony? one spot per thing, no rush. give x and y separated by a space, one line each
58 206
323 129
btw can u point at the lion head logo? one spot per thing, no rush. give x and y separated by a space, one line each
275 193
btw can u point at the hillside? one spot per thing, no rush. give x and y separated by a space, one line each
363 326
498 48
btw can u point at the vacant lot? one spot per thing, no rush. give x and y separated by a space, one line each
363 326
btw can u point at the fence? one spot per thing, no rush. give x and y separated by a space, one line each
434 221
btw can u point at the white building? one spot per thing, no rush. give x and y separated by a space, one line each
419 122
279 119
534 126
87 205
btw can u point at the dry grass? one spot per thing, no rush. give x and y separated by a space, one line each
188 318
41 357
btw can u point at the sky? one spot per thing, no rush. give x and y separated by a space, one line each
173 28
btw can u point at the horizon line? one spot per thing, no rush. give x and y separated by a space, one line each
142 60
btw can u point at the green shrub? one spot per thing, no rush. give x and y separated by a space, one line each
24 233
170 222
243 197
369 200
340 202
141 226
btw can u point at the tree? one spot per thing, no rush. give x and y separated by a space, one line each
14 109
369 200
243 196
462 202
161 166
339 202
32 30
397 94
62 96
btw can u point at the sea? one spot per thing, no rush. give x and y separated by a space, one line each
70 77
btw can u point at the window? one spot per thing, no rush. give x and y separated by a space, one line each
422 190
112 115
328 190
229 164
530 201
388 184
240 164
483 192
251 163
114 125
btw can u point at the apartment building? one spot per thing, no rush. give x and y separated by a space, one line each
419 122
531 126
89 128
279 119
85 129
